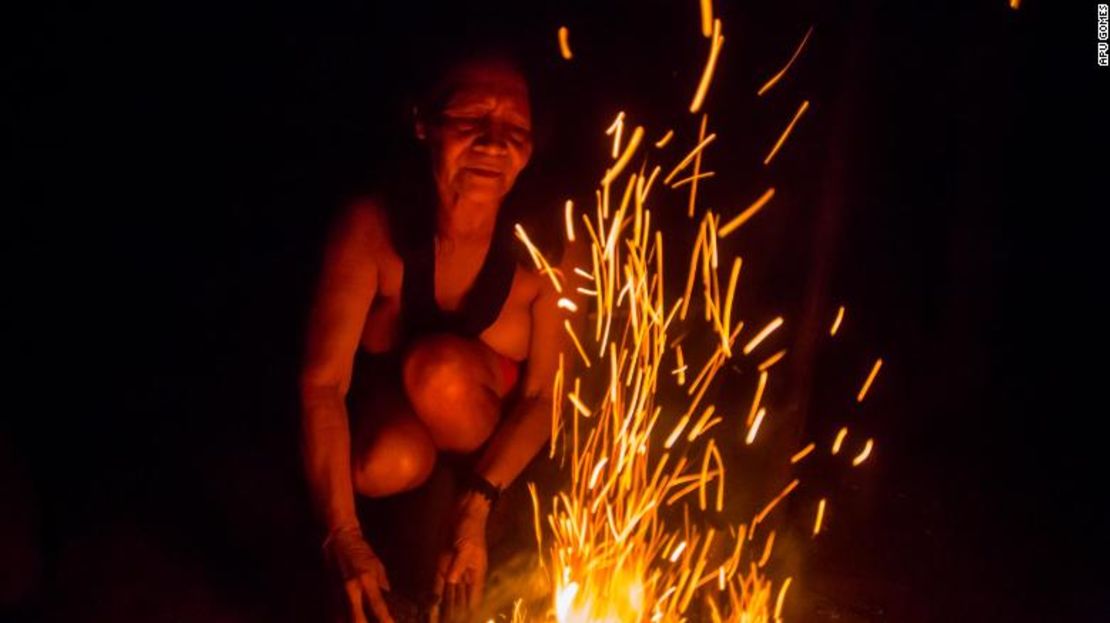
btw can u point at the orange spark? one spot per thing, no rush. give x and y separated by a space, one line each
707 75
729 297
689 158
661 143
781 598
870 378
837 321
634 142
839 439
803 453
767 548
538 259
615 130
678 551
701 423
706 18
568 216
567 304
681 370
820 517
577 402
762 335
862 456
786 132
677 432
755 426
564 44
693 178
760 386
647 188
577 344
697 170
770 83
778 498
743 217
772 360
597 472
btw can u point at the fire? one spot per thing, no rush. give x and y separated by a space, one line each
612 557
614 551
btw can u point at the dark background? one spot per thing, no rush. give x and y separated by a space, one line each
175 165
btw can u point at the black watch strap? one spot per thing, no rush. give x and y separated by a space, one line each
483 487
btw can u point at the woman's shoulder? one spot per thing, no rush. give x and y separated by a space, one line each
367 218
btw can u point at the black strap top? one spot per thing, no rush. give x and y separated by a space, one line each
480 306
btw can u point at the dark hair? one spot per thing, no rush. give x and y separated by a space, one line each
441 81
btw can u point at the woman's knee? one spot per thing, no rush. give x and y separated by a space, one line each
400 457
445 379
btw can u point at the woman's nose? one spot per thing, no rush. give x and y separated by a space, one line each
494 138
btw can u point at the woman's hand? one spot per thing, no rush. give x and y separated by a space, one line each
362 571
461 574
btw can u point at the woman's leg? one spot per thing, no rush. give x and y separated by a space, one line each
456 387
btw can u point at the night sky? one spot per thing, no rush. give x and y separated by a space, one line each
176 165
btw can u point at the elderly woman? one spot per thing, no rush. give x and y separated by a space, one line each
475 338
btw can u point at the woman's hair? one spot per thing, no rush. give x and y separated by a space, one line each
441 80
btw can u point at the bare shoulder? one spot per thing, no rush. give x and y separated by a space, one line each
363 221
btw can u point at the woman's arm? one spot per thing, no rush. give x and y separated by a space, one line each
528 425
348 284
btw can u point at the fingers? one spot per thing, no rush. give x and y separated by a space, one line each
455 572
476 584
354 600
458 604
374 595
441 575
383 578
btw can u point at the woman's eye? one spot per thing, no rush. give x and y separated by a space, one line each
520 135
464 124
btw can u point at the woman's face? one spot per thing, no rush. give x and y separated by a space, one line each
482 138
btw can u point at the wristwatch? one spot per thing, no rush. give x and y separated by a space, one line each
476 483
